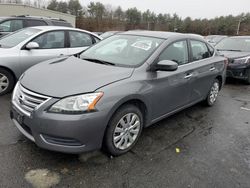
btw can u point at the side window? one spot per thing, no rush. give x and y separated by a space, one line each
79 39
31 23
11 25
199 50
5 26
51 40
61 23
177 52
16 25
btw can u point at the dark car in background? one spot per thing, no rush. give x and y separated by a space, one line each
237 50
116 88
14 23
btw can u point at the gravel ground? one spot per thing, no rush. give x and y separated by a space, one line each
198 147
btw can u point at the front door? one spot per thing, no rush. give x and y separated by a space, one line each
51 45
79 41
171 90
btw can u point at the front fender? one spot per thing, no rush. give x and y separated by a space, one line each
117 94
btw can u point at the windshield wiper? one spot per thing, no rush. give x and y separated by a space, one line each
229 50
99 61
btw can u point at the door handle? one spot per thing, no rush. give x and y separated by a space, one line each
212 69
188 76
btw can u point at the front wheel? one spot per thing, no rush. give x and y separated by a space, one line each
213 93
123 130
7 81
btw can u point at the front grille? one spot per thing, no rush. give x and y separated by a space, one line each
27 101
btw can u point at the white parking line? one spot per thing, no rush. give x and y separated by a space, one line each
243 108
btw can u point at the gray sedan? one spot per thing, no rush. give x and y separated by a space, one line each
29 46
118 87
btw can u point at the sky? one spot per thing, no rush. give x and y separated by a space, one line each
184 8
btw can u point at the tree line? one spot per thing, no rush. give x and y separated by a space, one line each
100 17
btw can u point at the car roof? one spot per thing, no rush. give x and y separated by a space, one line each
2 18
23 17
51 28
241 37
162 34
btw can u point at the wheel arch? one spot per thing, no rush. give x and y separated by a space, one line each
9 70
136 100
219 77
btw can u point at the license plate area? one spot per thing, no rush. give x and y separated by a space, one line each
20 119
17 116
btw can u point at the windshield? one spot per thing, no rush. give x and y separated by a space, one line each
215 38
218 39
123 50
234 44
17 37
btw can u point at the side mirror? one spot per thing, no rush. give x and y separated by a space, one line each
32 45
166 65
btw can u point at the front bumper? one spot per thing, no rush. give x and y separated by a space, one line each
238 71
62 133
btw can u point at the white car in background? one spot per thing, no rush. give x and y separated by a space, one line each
27 47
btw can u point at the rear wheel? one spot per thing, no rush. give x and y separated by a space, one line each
213 93
6 81
123 130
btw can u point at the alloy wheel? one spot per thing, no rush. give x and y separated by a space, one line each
126 131
214 92
4 82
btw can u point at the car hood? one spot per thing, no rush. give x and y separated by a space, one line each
70 76
234 55
5 51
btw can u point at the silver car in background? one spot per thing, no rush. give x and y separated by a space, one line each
27 47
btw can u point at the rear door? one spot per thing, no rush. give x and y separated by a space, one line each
171 89
79 41
204 69
51 45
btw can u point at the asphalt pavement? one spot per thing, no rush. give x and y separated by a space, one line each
198 147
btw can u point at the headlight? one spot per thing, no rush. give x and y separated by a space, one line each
243 60
76 104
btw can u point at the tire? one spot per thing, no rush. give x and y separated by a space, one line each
213 93
118 131
248 78
7 81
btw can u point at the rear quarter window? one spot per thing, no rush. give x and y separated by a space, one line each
32 23
61 23
199 50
